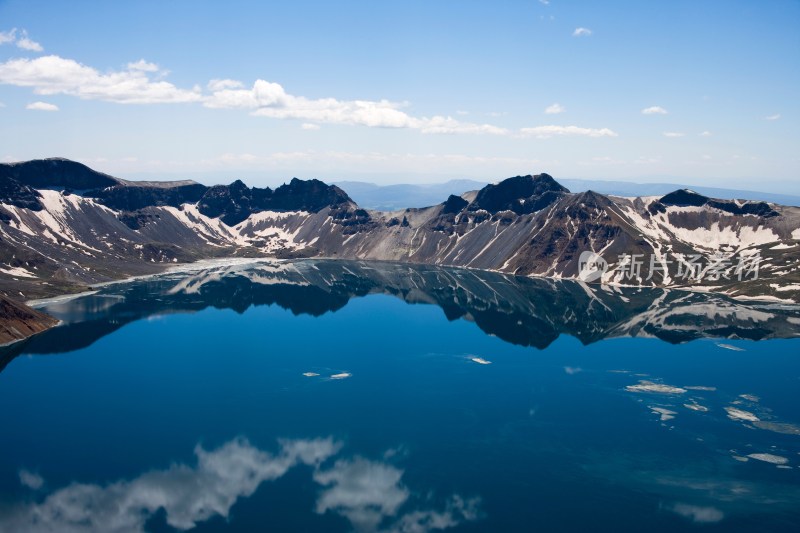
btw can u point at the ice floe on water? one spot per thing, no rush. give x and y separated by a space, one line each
658 388
310 374
342 375
739 414
740 458
769 458
480 361
730 347
699 387
666 414
778 427
750 397
694 406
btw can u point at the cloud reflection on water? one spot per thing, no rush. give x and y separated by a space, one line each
367 493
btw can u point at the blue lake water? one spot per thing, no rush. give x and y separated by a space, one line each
338 397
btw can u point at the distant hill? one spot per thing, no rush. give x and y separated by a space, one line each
400 196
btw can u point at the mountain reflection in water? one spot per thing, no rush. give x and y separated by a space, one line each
520 310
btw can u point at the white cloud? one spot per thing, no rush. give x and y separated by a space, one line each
673 134
269 99
42 106
52 74
654 110
143 65
8 36
776 116
27 44
554 109
581 32
310 127
23 42
221 85
545 132
705 134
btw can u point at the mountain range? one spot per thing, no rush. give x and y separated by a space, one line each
65 227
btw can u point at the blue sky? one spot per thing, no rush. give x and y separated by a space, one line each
699 92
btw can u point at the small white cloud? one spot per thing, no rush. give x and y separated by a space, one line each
310 127
30 479
776 116
27 44
581 32
42 106
23 42
545 132
705 134
8 36
221 85
673 134
544 2
654 110
143 65
554 109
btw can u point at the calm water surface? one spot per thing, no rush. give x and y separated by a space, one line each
329 396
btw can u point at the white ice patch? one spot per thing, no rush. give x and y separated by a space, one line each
739 414
18 271
769 458
666 414
658 388
730 347
694 406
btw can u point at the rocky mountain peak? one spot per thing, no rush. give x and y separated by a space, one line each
56 173
520 194
689 198
684 198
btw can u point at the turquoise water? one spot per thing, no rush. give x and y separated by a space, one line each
147 416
